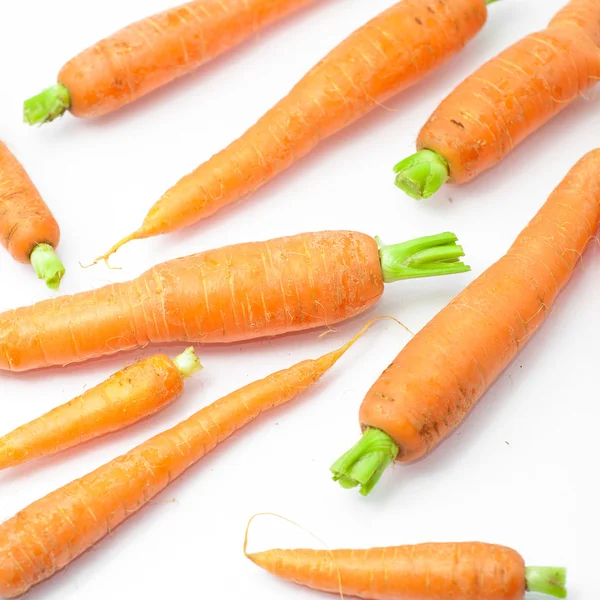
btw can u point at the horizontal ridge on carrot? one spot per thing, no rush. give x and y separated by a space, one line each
505 101
387 55
443 371
152 52
235 293
130 395
77 516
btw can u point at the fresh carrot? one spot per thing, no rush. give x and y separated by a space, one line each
75 517
127 397
234 293
151 53
390 53
27 228
505 101
443 371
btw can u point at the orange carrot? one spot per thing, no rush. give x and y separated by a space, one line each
505 101
27 228
390 53
151 53
446 368
234 293
75 517
130 395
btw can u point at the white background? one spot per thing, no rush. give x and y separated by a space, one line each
522 469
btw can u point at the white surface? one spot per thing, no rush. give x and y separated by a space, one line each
520 471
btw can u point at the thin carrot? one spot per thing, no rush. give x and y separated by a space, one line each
446 368
127 397
27 228
151 53
75 517
505 101
387 55
234 293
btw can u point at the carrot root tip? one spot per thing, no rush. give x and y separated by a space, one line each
551 581
422 174
52 103
188 363
47 265
366 462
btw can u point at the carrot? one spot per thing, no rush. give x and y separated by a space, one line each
234 293
390 53
434 571
75 517
439 376
505 101
27 228
151 53
130 395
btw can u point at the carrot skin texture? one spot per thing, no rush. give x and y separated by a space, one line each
445 369
583 14
461 571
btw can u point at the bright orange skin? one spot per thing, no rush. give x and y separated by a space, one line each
234 293
515 93
130 395
150 53
25 219
444 370
457 571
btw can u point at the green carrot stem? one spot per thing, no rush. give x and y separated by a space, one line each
366 462
47 106
47 265
188 363
551 581
422 174
422 257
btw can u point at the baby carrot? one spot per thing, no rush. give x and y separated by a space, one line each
130 395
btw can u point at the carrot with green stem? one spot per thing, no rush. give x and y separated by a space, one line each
127 397
152 52
440 375
387 55
50 533
27 228
235 293
505 101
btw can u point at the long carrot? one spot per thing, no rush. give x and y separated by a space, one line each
130 395
27 228
505 101
439 376
234 293
390 53
151 53
50 533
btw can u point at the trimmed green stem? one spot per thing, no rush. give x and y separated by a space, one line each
427 256
47 265
47 106
551 581
188 363
365 463
422 174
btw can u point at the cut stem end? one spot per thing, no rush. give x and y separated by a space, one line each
551 581
52 103
47 265
422 174
188 363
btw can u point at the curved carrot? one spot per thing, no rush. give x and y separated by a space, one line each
75 517
130 395
505 101
27 228
390 53
152 52
446 368
234 293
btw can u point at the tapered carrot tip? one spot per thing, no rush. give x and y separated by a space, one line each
551 581
136 235
188 363
52 103
364 464
47 265
422 174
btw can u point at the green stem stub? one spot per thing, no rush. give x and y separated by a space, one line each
47 106
47 265
551 581
422 174
188 363
365 463
427 256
